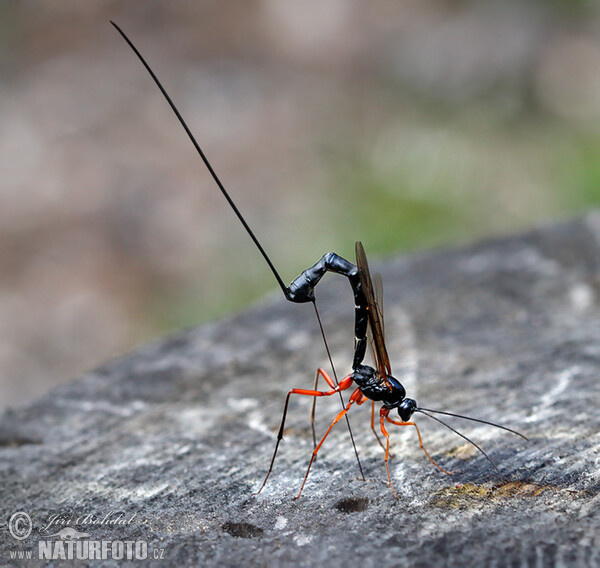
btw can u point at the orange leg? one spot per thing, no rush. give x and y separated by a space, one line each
399 423
328 379
360 399
345 383
373 426
355 397
383 414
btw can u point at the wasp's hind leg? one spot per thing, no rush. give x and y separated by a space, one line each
345 383
329 381
356 396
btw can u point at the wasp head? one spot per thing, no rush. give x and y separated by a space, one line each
406 409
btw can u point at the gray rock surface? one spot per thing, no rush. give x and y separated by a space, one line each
179 434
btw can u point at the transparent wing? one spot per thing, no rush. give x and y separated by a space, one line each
378 296
374 312
372 349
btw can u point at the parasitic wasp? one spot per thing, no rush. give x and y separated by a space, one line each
374 384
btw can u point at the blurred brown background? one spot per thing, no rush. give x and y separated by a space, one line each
405 124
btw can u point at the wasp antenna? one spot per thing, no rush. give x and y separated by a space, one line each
461 435
204 158
477 420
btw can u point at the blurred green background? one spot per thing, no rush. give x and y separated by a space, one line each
407 125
